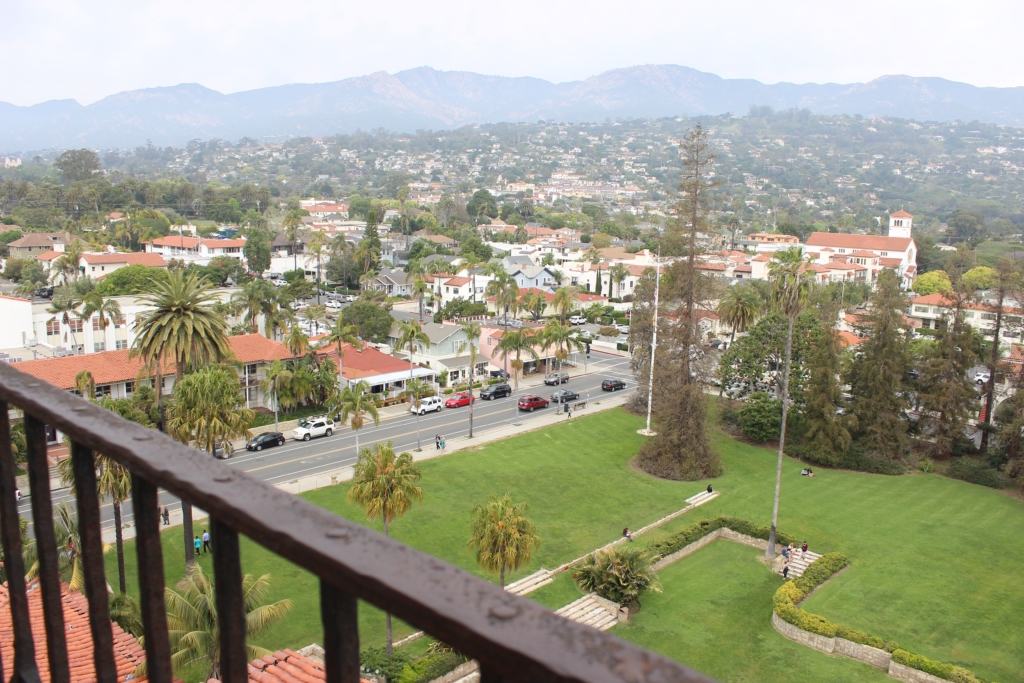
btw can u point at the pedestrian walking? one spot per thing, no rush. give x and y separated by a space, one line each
198 546
803 550
785 571
444 445
569 411
167 516
437 441
206 541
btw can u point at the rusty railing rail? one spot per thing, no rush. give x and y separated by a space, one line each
513 638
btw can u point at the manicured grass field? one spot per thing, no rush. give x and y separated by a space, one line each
935 562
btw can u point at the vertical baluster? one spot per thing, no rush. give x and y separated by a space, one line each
92 560
47 551
151 580
24 665
227 571
339 611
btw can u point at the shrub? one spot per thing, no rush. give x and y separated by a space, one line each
976 472
448 391
695 532
622 347
761 417
435 664
857 458
620 574
820 570
608 332
374 659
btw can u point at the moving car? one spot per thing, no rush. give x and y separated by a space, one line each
265 440
222 450
556 378
333 303
313 426
613 384
459 400
499 373
577 320
531 402
564 396
496 391
428 404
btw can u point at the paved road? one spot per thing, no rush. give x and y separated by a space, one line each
298 458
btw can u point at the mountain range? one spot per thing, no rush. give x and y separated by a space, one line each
425 98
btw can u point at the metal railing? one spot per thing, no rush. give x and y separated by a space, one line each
513 638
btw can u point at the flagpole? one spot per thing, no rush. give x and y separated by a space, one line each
654 344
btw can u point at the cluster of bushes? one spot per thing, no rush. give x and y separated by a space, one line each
789 595
440 660
621 346
695 532
976 472
760 419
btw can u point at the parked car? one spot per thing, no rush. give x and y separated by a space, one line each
333 303
613 384
222 450
280 283
564 396
556 378
313 426
499 373
586 334
496 391
577 320
459 400
265 440
531 402
983 377
428 405
624 329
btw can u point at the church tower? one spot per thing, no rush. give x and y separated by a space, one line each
900 224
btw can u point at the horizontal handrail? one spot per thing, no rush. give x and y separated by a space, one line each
514 638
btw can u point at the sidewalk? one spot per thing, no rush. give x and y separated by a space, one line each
344 473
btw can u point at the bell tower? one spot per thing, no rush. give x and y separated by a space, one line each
900 224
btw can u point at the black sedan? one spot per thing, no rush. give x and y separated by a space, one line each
613 384
265 440
564 396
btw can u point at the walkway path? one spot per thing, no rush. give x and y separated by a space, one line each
593 611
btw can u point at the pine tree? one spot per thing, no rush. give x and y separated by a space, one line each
947 396
826 438
877 373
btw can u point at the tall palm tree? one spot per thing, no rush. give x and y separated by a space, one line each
342 334
107 309
505 291
409 335
385 487
503 535
316 251
62 307
471 263
207 410
256 298
192 620
276 379
618 274
791 285
517 342
420 289
565 299
293 227
739 308
297 342
472 330
562 339
355 404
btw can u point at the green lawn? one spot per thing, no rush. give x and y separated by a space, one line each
934 561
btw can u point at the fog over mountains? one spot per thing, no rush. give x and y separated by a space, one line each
424 98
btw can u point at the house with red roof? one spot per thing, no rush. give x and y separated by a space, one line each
200 250
386 375
934 311
896 251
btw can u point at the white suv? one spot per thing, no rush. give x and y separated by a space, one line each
313 426
428 404
577 320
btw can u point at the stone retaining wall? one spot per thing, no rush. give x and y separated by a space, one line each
459 672
798 635
909 674
865 653
727 534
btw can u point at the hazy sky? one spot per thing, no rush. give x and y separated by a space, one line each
86 50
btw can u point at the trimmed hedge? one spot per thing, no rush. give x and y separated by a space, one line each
695 532
786 604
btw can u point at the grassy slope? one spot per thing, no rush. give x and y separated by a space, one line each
934 560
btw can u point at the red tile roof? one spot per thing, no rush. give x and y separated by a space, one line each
457 281
109 367
49 255
901 214
357 364
845 241
131 258
177 241
285 667
848 339
128 654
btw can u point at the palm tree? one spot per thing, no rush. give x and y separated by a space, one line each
562 339
107 308
192 620
620 574
535 303
355 404
472 330
517 342
262 198
409 335
505 291
317 250
85 385
791 286
618 274
341 334
503 535
256 298
276 379
293 227
385 486
739 307
315 315
207 411
62 307
420 289
297 342
471 263
565 299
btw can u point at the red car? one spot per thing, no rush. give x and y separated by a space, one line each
531 402
459 400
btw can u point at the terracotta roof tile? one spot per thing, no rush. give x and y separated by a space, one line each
847 241
285 667
901 214
131 258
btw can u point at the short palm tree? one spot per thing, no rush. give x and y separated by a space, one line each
503 535
192 620
107 311
409 335
535 303
618 274
565 299
85 385
276 379
297 342
69 543
517 342
342 334
620 574
355 404
562 339
791 287
472 330
254 299
384 485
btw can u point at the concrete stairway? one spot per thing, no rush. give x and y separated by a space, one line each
530 583
592 611
800 562
701 498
